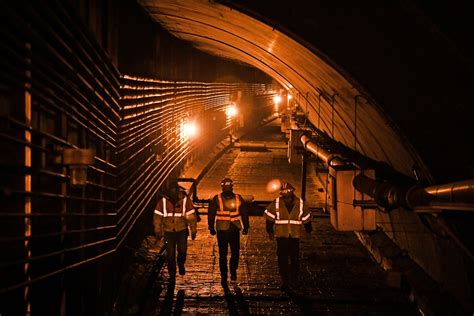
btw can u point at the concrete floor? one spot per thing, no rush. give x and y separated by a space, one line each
338 275
252 169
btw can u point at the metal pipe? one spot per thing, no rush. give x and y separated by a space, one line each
329 158
462 191
390 195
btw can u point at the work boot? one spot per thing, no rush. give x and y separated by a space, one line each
233 275
182 270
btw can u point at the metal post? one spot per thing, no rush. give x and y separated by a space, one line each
303 176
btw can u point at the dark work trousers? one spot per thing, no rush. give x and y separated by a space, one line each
175 240
288 248
224 239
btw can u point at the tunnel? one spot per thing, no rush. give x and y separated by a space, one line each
364 107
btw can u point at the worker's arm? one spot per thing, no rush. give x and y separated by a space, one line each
211 214
244 214
158 219
306 219
270 216
191 218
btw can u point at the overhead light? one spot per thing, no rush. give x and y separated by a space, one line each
231 111
277 99
189 129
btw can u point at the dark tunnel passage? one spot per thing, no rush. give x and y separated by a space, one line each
365 108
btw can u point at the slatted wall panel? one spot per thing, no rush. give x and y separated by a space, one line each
57 91
152 146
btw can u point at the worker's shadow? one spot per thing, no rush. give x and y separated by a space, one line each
236 301
167 306
304 302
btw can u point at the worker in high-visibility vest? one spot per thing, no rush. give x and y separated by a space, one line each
285 217
174 213
227 216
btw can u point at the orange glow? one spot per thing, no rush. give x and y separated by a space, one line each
273 185
231 111
189 130
277 99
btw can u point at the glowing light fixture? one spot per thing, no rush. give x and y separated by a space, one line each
231 111
277 99
189 130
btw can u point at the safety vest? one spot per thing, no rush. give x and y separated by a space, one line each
226 216
171 221
287 224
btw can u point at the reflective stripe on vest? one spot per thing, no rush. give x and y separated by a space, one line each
223 215
306 217
288 221
184 213
301 209
269 214
277 206
184 207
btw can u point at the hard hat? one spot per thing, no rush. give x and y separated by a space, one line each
286 188
226 182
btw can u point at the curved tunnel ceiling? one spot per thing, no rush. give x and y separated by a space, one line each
355 120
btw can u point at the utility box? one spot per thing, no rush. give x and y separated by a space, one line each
341 196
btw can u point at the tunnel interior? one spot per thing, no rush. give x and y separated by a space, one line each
115 88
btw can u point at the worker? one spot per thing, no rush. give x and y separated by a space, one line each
227 216
174 213
285 217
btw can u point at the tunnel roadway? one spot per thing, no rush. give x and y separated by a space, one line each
338 275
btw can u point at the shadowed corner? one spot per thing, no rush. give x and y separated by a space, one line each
229 297
168 302
241 302
178 310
